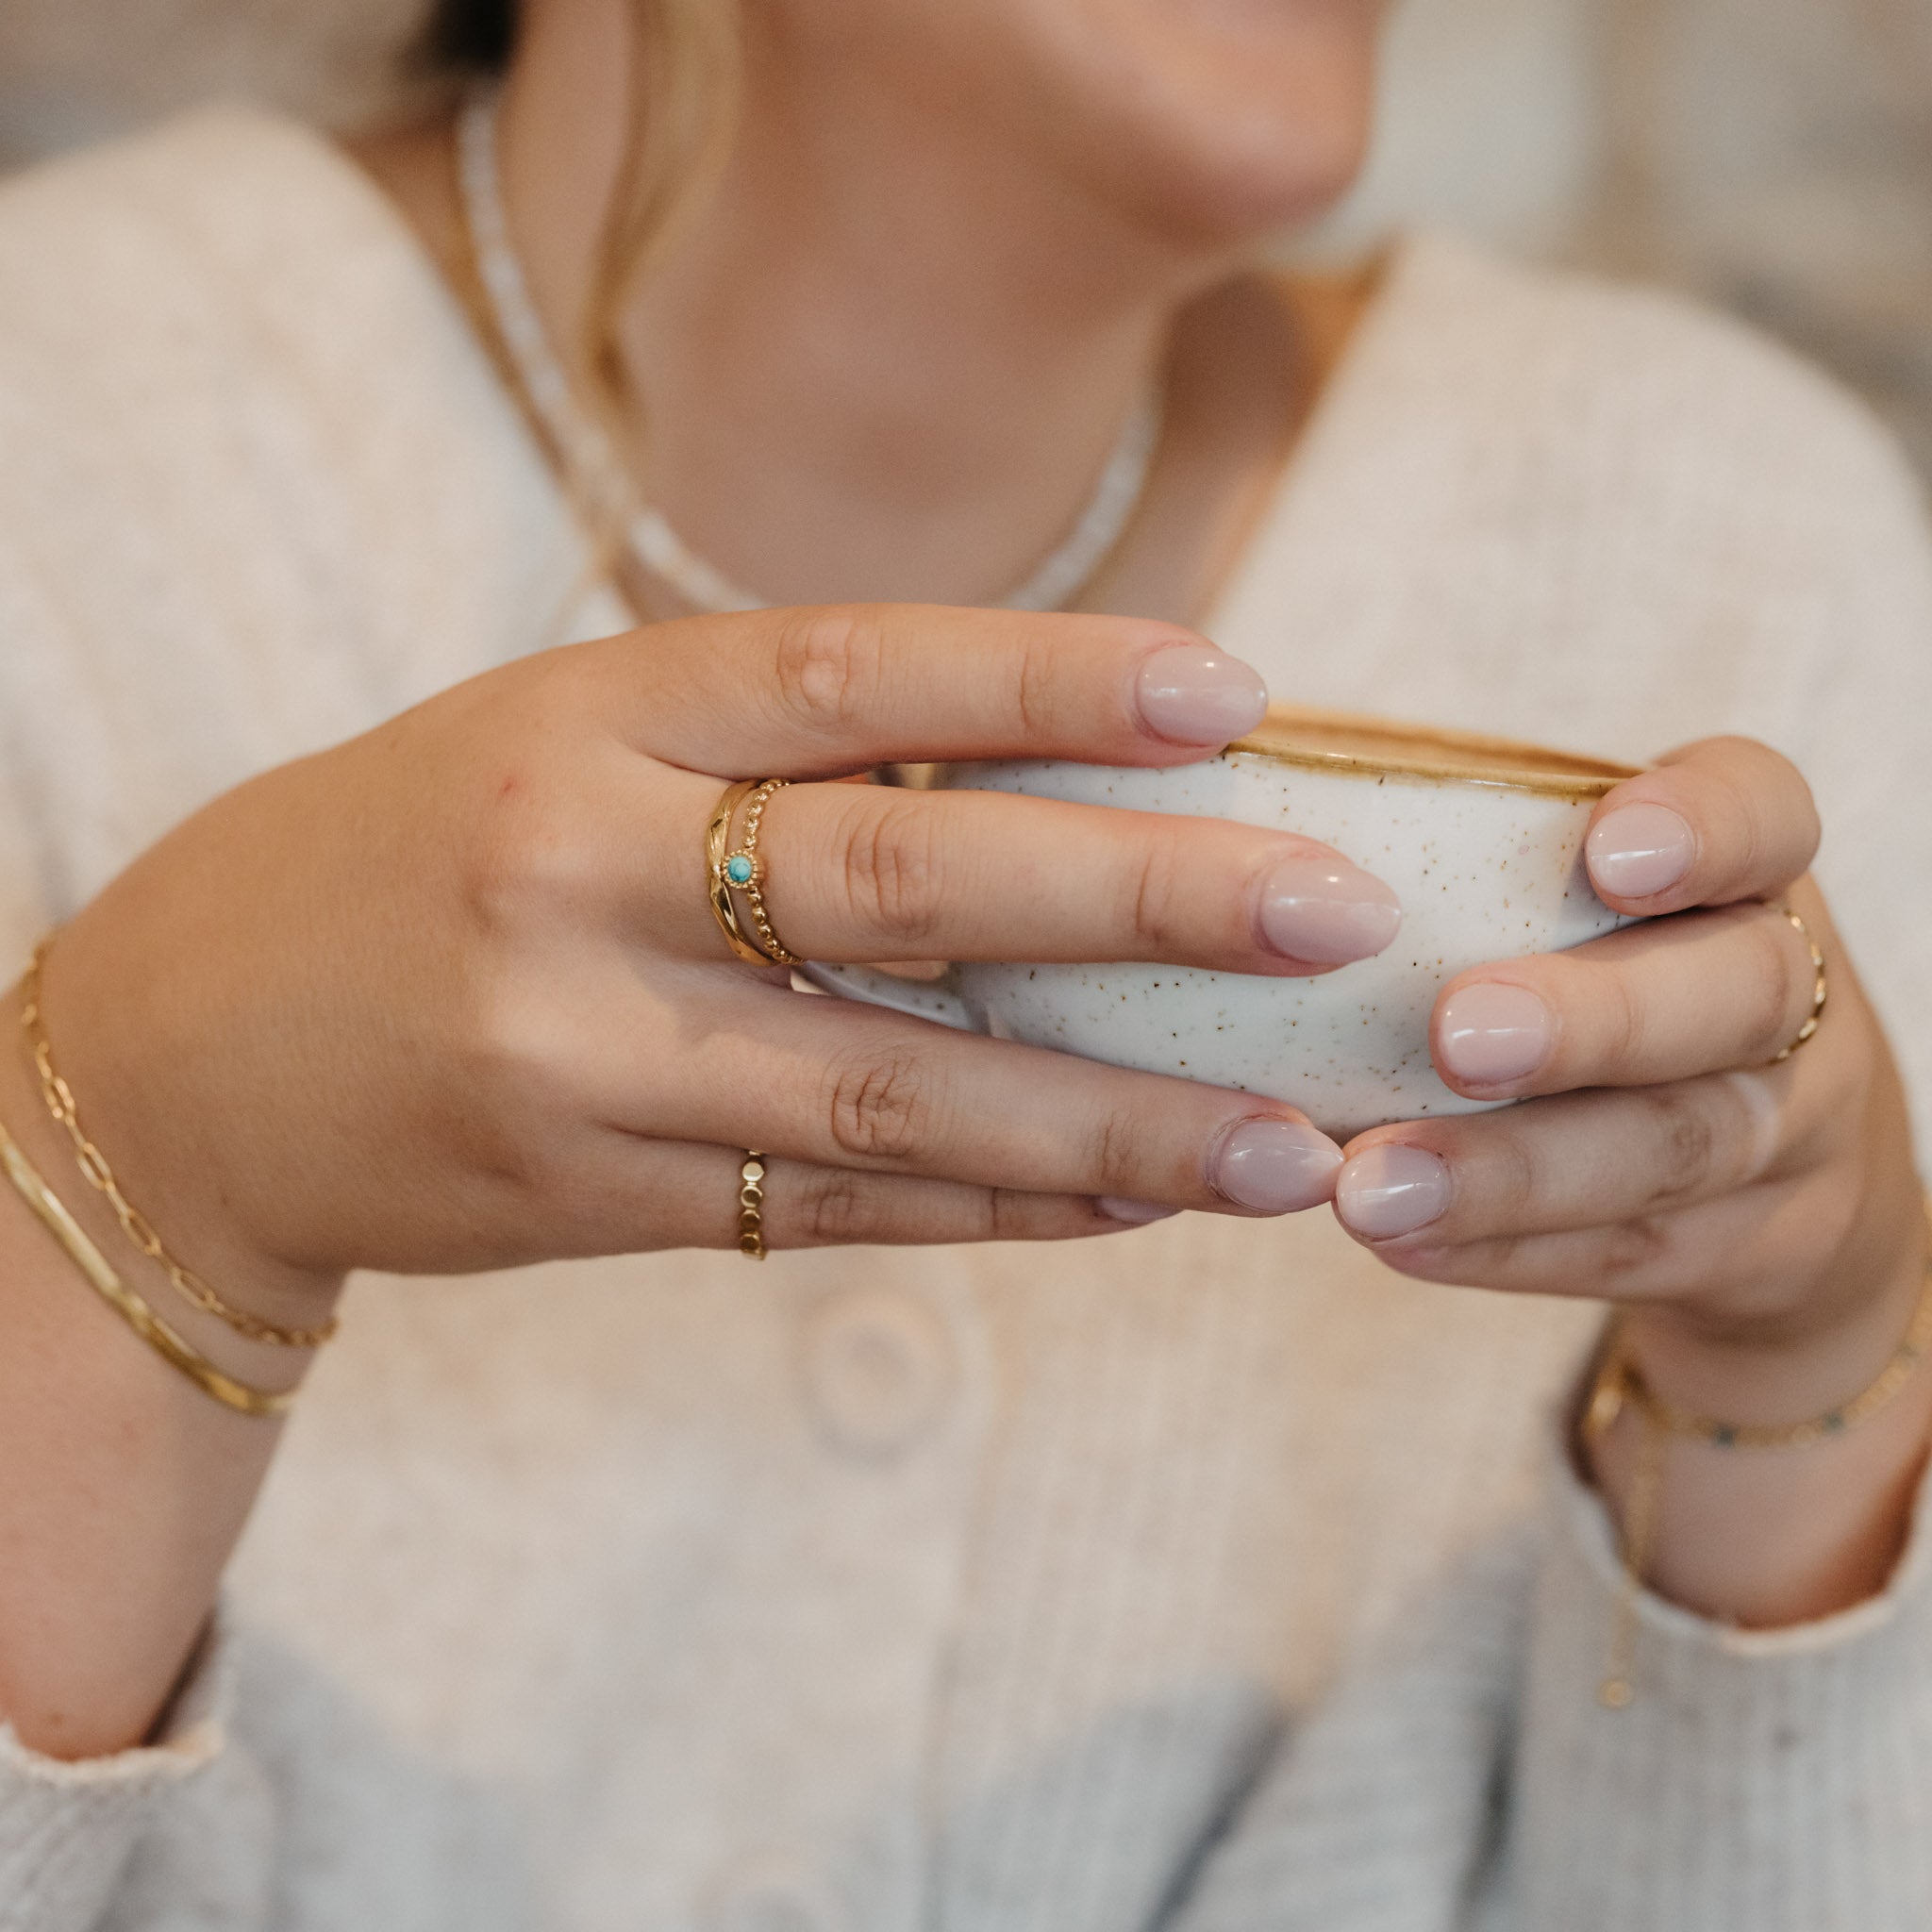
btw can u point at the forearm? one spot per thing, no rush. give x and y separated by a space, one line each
128 1485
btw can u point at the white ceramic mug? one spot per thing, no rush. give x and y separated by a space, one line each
1481 839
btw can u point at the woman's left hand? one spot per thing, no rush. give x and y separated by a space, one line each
1755 1213
1665 1155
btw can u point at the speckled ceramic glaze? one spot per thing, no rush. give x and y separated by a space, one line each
1481 841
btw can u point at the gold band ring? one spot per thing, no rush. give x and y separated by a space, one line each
1819 987
751 1205
739 869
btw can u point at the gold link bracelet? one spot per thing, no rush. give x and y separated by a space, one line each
134 1223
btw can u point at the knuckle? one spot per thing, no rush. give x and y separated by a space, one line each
1155 891
1114 1156
1010 1216
509 1072
1036 688
1739 804
1633 1248
1837 1211
1513 1177
525 855
1622 1016
1765 812
880 1104
895 868
1684 1141
827 667
836 1208
515 1033
1492 1260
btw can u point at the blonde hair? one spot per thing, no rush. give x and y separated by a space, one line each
684 87
685 78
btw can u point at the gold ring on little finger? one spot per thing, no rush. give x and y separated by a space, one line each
733 870
1818 985
751 1205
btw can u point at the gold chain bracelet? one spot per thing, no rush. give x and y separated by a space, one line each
1619 1384
134 1223
172 1347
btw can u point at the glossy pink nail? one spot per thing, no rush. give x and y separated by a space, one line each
1391 1190
1326 911
1134 1213
1640 850
1275 1167
1194 694
1490 1034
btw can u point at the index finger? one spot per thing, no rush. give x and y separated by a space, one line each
816 692
1715 822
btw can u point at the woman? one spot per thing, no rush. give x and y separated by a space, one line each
1237 1575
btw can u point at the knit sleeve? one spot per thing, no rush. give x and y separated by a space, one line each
1760 1781
1463 1777
70 1832
1377 1811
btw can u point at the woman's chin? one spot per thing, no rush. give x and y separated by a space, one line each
1252 181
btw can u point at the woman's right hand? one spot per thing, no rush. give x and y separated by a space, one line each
450 996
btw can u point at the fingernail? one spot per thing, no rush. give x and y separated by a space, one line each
1389 1190
1490 1033
1194 694
1135 1213
1326 913
1640 850
1275 1167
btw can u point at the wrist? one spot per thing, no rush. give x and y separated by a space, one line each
1781 1457
1784 1367
262 1320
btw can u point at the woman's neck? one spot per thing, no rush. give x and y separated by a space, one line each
885 379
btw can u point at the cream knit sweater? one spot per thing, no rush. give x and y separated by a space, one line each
1207 1578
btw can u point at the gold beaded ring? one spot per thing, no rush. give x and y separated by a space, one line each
751 1205
1819 987
739 869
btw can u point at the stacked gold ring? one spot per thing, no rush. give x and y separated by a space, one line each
739 869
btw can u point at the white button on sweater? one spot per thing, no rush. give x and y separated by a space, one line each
1207 1577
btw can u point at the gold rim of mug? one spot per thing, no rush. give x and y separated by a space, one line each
1292 734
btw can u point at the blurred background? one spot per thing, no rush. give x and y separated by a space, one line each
1771 155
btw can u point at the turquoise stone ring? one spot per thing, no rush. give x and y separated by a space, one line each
732 871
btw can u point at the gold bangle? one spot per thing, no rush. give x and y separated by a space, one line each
1619 1384
751 1205
1819 987
171 1346
740 870
134 1223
